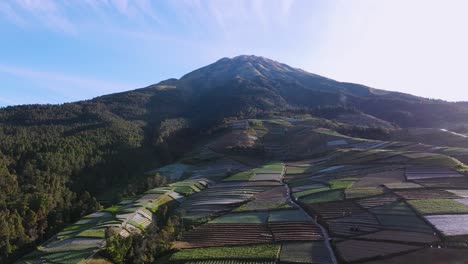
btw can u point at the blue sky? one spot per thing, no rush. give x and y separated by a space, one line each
55 51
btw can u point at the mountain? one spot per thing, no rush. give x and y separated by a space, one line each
61 162
271 74
246 84
249 83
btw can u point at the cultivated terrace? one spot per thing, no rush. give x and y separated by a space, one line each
284 190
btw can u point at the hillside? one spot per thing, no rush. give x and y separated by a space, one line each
284 190
59 163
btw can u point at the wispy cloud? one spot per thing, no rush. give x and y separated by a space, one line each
47 12
146 7
68 16
8 12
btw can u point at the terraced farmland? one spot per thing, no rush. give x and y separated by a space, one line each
335 199
356 250
86 237
267 216
376 215
252 252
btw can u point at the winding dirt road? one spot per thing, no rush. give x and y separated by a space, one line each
326 237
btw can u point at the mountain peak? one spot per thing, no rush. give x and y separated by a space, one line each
245 67
244 58
257 62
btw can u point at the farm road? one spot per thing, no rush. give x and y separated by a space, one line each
326 237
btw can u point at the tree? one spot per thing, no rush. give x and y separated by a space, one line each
118 247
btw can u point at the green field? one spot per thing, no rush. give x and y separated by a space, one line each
242 176
438 206
402 185
298 170
301 182
247 218
341 184
288 216
92 233
310 191
322 197
362 192
305 252
270 168
398 208
260 251
262 205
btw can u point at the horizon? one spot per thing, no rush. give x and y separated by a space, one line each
55 52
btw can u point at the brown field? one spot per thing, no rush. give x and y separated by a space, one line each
425 194
233 139
227 234
334 209
459 182
295 231
377 200
277 193
379 178
428 255
357 224
402 236
356 250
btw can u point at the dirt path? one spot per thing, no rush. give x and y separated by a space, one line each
454 133
326 237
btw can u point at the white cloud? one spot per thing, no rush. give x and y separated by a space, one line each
47 12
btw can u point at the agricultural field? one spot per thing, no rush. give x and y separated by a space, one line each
288 216
427 255
359 250
367 200
273 199
450 225
238 218
79 241
250 252
375 214
304 252
214 201
438 206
